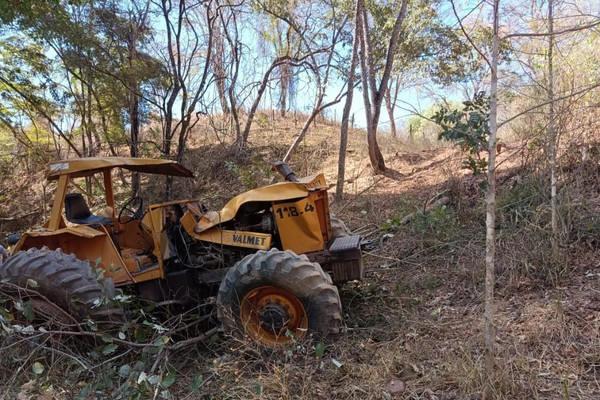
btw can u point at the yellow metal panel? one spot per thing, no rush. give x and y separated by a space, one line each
87 244
130 235
78 230
188 222
322 204
298 225
250 240
59 200
149 274
314 182
155 220
276 192
79 167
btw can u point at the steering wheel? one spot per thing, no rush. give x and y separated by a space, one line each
132 208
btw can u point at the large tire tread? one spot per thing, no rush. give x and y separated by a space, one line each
64 280
285 269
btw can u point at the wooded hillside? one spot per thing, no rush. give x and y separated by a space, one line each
462 139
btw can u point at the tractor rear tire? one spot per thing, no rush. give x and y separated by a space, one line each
64 281
274 297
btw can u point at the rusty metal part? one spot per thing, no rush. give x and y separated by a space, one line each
269 314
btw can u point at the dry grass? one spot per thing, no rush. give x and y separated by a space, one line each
417 317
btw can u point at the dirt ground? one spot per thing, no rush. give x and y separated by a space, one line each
413 328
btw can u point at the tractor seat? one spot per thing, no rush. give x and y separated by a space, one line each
77 211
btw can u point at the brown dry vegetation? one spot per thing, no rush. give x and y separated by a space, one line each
417 316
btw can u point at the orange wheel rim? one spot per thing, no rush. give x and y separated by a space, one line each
273 316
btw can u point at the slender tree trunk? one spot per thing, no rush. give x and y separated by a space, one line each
490 239
242 139
552 131
375 155
284 79
390 110
82 113
317 109
134 137
391 97
134 109
339 189
301 135
373 94
91 126
94 132
217 64
234 68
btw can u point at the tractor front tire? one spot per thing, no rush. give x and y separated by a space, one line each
62 281
274 297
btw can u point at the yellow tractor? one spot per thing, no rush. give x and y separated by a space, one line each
271 256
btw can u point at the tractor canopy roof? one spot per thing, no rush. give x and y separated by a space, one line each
82 167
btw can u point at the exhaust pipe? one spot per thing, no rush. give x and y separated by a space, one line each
284 170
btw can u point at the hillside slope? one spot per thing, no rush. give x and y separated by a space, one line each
413 327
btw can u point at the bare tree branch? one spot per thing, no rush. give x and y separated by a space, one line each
467 36
554 33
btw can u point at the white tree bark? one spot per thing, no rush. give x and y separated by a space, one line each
490 240
552 137
339 190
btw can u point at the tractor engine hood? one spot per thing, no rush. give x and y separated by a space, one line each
282 191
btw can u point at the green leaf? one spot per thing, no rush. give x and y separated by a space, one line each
26 309
320 350
140 335
125 370
160 342
91 325
109 348
107 337
142 377
167 380
28 312
38 368
197 382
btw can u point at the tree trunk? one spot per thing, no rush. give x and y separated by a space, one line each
339 189
242 139
134 108
375 155
490 239
552 137
391 97
284 80
390 110
217 64
134 120
317 109
373 95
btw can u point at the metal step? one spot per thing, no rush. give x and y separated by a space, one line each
345 243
